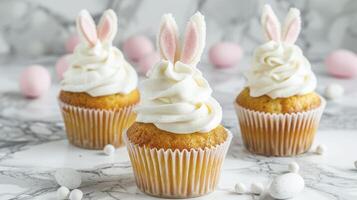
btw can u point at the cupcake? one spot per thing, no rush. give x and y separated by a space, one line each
98 91
278 111
177 145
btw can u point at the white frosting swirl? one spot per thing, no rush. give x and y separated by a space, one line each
280 70
99 70
176 98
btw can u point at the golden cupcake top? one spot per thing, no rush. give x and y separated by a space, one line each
293 104
109 102
147 134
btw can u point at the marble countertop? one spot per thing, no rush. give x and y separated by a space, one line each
33 145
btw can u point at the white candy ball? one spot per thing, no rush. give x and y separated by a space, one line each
69 178
257 188
334 91
62 193
321 149
76 195
286 186
240 188
109 149
293 167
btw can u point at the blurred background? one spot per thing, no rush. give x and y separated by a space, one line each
37 28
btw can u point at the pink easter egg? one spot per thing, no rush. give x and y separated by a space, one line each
342 63
137 47
71 43
148 62
225 54
35 80
62 65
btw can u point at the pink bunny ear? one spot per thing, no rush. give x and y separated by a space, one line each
271 24
107 27
292 26
194 40
167 39
86 27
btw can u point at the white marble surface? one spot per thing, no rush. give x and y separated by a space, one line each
33 145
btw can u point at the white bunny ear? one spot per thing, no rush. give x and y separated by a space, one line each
194 41
107 27
86 28
271 24
167 39
292 26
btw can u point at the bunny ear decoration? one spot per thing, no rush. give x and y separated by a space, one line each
292 26
107 27
167 39
271 24
86 27
194 40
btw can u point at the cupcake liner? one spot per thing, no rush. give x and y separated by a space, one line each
95 128
278 134
174 173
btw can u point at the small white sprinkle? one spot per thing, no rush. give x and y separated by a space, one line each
257 188
240 188
293 167
334 91
76 195
62 193
321 149
109 149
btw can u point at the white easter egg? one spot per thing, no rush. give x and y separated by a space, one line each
286 186
62 192
334 91
76 195
240 188
68 177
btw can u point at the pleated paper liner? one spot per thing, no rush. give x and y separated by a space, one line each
95 128
177 174
287 134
